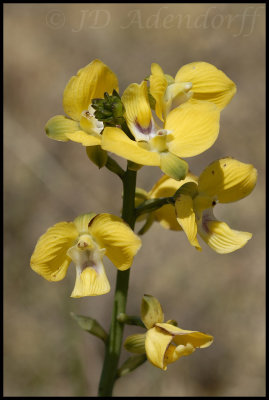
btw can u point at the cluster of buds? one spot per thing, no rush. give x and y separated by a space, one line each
110 109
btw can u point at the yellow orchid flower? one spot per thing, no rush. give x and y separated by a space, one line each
194 81
85 241
164 343
223 181
188 130
81 126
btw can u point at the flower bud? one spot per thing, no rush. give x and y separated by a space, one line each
136 343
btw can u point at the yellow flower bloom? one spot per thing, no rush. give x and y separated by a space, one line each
85 241
188 130
91 82
164 343
223 181
194 81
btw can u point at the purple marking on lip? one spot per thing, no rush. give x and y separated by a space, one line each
205 219
145 131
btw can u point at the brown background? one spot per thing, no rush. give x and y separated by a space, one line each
46 354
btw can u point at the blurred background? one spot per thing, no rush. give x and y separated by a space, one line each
45 352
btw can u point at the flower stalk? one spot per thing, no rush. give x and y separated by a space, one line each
114 342
130 320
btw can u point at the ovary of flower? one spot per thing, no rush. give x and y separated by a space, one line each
81 126
85 241
223 181
187 131
194 81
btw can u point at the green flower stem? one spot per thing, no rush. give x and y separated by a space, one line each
152 205
114 167
114 342
130 320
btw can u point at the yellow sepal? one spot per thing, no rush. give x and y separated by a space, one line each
151 311
183 337
186 218
91 82
59 126
208 83
194 127
113 234
82 222
227 179
116 141
84 138
173 166
50 258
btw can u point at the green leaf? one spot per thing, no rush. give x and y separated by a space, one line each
130 364
90 325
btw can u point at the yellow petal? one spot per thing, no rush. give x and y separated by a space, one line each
219 236
158 85
113 234
151 311
176 94
186 218
85 138
173 353
49 258
90 124
91 282
173 166
91 82
116 141
208 83
166 187
166 216
194 127
59 127
182 336
82 222
227 179
135 343
156 344
138 113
